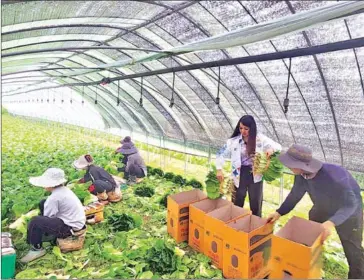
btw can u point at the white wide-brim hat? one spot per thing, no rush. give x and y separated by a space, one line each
83 161
52 177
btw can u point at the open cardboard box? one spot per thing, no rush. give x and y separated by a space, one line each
247 246
297 250
198 212
215 230
178 212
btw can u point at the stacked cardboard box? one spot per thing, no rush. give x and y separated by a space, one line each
247 246
215 230
297 250
178 213
198 212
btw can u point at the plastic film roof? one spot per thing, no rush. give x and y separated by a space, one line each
326 90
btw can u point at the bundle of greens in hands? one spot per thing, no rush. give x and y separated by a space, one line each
270 167
212 185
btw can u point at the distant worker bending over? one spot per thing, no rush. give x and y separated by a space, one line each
135 168
336 198
103 184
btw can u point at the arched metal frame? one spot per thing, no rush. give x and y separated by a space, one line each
180 10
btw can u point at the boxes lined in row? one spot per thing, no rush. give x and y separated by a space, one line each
241 244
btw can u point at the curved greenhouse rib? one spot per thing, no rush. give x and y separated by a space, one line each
153 121
194 112
162 15
106 109
63 25
113 21
251 34
356 58
77 48
331 47
154 124
51 42
150 116
225 116
326 90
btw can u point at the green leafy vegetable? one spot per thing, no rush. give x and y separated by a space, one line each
212 185
157 171
124 222
169 176
144 191
179 180
163 200
161 258
81 191
194 183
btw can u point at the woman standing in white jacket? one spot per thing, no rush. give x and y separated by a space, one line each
241 148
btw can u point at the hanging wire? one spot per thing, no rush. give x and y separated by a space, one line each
48 97
118 99
172 99
83 95
71 95
141 93
286 100
96 96
217 101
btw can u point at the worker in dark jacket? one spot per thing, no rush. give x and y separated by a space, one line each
336 198
103 184
135 169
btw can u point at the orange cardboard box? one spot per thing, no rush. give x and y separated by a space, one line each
297 250
198 212
178 213
247 247
215 230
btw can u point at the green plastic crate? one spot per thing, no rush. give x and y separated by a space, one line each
8 266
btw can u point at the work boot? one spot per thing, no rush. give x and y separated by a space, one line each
139 180
33 254
103 198
132 180
114 196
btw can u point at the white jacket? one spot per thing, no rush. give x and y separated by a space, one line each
233 149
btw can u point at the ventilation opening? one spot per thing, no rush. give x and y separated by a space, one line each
214 246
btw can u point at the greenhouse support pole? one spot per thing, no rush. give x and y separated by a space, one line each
281 190
164 154
185 146
147 136
209 158
160 151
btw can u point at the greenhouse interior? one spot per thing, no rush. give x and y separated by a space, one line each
182 139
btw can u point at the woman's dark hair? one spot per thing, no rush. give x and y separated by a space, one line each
247 121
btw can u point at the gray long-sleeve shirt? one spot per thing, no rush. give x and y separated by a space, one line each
65 205
333 191
137 160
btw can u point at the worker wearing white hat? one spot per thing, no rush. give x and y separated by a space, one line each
61 213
